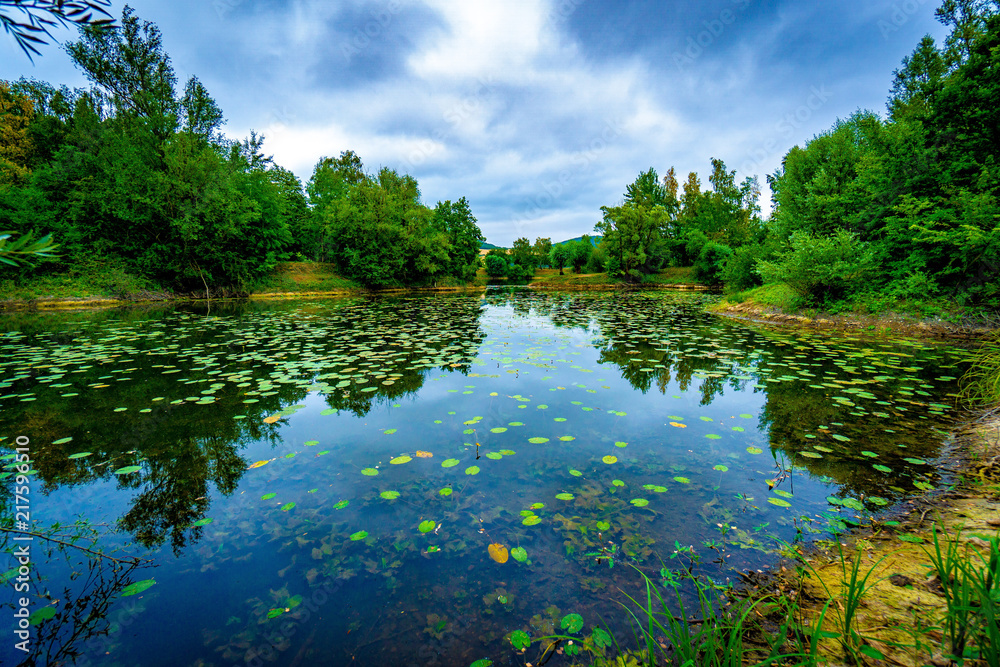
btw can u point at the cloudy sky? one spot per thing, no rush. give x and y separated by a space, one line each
538 111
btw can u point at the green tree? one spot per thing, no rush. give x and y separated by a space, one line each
559 256
914 83
631 234
521 253
128 65
496 264
542 249
463 235
580 253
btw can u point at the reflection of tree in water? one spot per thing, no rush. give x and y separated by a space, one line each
81 620
175 489
181 449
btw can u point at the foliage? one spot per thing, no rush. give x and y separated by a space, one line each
134 170
29 20
970 582
559 256
820 267
24 249
496 265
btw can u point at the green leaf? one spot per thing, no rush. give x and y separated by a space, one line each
532 520
127 470
564 496
519 554
287 506
137 587
449 463
390 495
485 662
202 522
43 614
472 470
360 535
520 639
572 623
427 526
601 638
369 472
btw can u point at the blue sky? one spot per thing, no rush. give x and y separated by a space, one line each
538 111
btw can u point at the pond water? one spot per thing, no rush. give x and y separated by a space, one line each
319 482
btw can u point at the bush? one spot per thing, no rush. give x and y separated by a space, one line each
822 269
740 271
496 266
710 262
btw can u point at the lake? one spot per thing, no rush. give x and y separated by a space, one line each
319 482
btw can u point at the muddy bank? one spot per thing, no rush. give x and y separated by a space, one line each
902 615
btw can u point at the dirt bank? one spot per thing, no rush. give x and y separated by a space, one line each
902 615
883 323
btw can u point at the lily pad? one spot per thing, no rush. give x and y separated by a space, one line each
390 495
449 463
369 472
358 536
472 470
564 496
427 526
138 587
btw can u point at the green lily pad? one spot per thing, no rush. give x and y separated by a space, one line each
639 502
472 470
449 463
390 495
369 472
532 520
564 496
427 526
127 470
137 587
519 554
360 535
287 506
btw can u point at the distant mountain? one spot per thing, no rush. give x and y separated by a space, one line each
487 246
594 240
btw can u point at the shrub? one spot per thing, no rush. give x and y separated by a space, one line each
710 262
821 268
496 266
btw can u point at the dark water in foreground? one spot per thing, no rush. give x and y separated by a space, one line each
318 482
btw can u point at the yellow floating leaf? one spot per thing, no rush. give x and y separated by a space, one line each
498 552
272 419
610 459
257 465
678 425
421 454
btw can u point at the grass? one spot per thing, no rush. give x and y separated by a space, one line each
981 384
91 280
970 581
303 277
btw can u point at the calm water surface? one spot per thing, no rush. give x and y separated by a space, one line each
319 482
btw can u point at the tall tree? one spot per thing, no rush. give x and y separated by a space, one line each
913 84
128 65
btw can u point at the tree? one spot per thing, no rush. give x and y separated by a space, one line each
131 69
29 20
579 253
914 83
496 264
201 116
631 233
521 254
559 256
967 19
456 222
542 249
16 114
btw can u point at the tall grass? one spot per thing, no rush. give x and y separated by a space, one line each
971 584
722 632
981 384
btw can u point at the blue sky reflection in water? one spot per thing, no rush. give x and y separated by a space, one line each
319 481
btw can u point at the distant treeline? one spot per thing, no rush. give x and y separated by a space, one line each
134 175
904 207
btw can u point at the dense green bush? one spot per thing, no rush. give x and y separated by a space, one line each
821 268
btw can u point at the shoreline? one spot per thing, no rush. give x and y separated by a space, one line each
886 323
